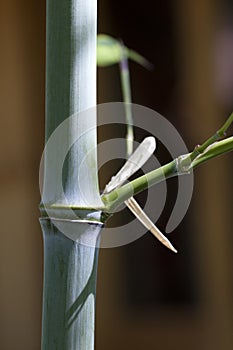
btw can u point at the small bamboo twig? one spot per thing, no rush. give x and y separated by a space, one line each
177 167
216 137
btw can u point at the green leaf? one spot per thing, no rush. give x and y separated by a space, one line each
109 52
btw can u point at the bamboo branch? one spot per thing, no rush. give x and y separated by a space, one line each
177 167
216 137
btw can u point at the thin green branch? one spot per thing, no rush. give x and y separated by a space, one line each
174 168
213 151
113 199
216 137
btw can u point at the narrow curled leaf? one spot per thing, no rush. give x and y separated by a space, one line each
133 164
109 52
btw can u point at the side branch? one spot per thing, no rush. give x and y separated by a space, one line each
177 167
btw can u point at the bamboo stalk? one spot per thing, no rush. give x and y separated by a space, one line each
71 89
70 260
70 271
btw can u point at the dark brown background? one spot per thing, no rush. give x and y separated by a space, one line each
147 297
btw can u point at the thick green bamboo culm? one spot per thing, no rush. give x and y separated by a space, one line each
70 264
70 270
70 89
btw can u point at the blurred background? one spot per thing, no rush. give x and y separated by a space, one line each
147 297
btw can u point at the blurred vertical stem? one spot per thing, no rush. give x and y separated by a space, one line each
70 264
126 91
